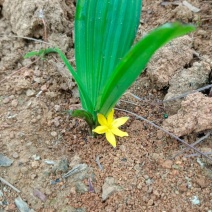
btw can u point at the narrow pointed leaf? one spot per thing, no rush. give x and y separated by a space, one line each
104 32
135 61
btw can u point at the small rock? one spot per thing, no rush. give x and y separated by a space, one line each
24 170
167 164
10 207
195 200
33 176
156 193
30 92
37 79
109 188
51 94
14 103
40 195
6 100
62 165
149 181
50 162
44 88
1 193
202 182
36 157
183 187
15 155
160 134
35 164
21 205
37 73
5 161
150 202
57 108
81 187
53 134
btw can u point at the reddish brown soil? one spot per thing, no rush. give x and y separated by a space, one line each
142 164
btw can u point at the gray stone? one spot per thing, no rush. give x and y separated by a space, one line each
21 205
81 187
5 161
30 92
109 188
61 165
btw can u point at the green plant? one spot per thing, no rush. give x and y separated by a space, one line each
107 62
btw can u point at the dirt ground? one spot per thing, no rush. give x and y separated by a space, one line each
141 174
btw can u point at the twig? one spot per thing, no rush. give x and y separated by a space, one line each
7 183
158 102
187 93
28 38
195 143
167 132
197 154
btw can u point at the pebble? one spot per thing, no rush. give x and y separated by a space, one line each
14 103
36 157
81 187
37 79
24 170
35 164
10 207
160 134
195 200
202 182
44 88
51 94
53 134
150 202
5 161
21 205
6 100
33 176
30 92
109 187
167 164
57 108
37 73
62 165
40 195
15 155
183 187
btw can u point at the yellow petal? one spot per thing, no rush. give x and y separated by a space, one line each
120 121
119 132
100 129
110 117
111 138
102 120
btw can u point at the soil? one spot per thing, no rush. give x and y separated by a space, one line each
141 174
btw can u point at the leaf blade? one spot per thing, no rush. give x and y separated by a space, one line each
99 26
135 61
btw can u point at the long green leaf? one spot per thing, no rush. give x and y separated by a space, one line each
135 61
104 32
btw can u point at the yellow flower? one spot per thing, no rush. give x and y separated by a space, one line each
110 126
